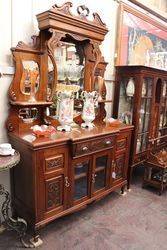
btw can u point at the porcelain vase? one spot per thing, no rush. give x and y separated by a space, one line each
88 113
65 106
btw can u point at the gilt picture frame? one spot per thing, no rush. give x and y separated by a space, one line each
141 39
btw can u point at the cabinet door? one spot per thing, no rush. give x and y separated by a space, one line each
162 126
81 179
144 115
119 171
53 183
101 171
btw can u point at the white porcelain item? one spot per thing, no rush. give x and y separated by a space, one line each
130 89
6 149
65 110
88 113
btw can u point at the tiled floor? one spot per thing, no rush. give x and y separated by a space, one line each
135 221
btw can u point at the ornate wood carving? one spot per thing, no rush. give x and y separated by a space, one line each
12 95
65 8
120 162
55 162
54 193
52 43
32 47
10 127
83 11
97 19
121 144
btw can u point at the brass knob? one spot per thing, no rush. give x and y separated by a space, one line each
108 142
85 148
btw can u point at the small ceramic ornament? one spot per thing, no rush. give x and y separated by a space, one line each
88 114
130 89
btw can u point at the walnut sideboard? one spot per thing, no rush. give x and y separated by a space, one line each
64 173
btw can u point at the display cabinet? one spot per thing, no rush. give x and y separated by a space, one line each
62 172
140 99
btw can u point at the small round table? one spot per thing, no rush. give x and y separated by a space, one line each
19 225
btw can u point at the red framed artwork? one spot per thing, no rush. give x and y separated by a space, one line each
141 39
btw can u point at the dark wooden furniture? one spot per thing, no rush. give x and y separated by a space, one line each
64 172
146 108
155 173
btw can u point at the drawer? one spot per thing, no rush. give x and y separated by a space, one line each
88 147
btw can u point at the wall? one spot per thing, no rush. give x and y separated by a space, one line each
18 23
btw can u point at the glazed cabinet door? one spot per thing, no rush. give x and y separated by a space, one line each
81 179
53 181
101 171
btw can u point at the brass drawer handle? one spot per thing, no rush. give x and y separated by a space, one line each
84 149
108 142
67 184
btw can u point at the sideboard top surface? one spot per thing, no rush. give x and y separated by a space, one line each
77 134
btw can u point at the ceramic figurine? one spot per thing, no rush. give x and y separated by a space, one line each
65 110
130 89
88 114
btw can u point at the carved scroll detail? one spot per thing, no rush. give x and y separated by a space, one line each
9 126
65 8
35 45
12 95
83 11
53 42
97 19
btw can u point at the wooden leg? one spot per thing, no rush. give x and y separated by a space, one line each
123 190
36 241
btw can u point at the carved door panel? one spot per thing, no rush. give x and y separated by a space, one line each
101 172
54 184
118 170
54 192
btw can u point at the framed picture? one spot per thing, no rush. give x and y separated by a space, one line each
141 39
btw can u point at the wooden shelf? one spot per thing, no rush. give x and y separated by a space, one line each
38 103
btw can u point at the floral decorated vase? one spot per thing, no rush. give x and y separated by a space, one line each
88 113
65 107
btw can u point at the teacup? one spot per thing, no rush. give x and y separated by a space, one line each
6 148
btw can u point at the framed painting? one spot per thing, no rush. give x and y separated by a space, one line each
141 39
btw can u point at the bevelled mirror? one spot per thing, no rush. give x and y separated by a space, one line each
29 84
70 65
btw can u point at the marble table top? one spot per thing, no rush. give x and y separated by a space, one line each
9 161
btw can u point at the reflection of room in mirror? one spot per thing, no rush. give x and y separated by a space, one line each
30 78
69 67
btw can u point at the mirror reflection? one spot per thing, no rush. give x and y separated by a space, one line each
30 78
28 115
70 65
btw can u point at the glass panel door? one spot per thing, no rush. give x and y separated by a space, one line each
99 175
126 99
163 113
81 175
144 115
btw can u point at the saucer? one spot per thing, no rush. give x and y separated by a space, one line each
11 152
